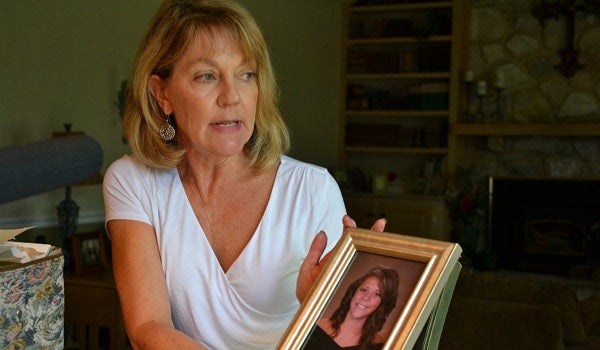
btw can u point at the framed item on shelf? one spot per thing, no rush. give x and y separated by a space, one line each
89 252
407 274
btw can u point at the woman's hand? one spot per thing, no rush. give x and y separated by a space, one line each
312 265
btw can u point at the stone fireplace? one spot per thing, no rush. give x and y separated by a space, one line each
545 207
545 225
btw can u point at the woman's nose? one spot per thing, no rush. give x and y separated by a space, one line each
229 94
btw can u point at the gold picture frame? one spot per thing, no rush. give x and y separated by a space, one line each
424 266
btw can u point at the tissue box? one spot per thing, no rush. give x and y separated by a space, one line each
32 303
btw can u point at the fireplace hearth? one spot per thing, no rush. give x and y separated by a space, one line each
549 226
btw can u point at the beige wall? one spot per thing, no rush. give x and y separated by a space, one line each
62 61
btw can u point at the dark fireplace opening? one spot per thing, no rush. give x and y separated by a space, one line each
549 226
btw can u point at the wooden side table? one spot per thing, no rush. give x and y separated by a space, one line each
91 302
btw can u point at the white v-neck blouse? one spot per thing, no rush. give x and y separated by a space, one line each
250 305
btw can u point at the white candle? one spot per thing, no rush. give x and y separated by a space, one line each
499 81
469 76
481 88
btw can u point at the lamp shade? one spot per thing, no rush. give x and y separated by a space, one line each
44 166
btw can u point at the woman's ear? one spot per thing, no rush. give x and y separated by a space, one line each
157 89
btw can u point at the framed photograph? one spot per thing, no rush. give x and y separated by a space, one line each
89 252
392 281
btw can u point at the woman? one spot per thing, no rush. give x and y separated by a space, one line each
213 230
362 312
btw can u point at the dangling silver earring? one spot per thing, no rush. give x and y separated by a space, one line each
167 131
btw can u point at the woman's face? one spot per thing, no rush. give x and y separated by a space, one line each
366 299
213 94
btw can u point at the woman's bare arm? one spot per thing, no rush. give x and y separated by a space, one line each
142 288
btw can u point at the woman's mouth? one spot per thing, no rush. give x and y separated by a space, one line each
361 306
228 124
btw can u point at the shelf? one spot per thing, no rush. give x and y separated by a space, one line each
401 61
401 7
397 76
398 40
397 150
399 114
525 129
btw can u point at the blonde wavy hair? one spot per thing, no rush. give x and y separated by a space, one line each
172 29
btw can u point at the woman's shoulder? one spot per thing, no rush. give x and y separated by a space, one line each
377 343
129 164
376 346
125 171
129 168
310 182
126 163
378 338
289 164
325 324
320 339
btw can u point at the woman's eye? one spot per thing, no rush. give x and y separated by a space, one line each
248 76
206 77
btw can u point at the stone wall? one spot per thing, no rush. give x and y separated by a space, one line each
506 37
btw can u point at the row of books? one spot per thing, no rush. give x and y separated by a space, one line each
400 60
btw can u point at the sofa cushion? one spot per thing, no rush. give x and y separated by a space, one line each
592 343
475 324
522 289
589 313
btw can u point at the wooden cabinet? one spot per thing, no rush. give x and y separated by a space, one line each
400 77
92 303
423 216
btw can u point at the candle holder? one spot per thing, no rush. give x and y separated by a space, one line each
479 116
467 117
498 115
